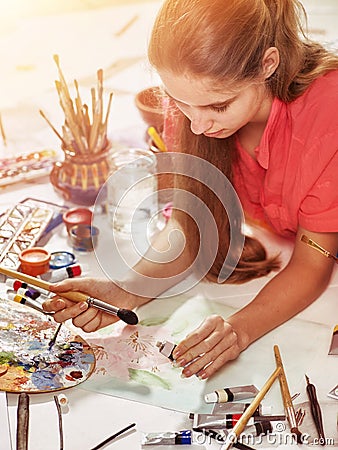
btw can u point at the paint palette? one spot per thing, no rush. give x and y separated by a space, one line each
27 364
26 167
20 228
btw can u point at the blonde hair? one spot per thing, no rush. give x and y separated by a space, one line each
225 41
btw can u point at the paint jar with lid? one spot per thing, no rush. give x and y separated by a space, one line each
83 237
76 216
34 261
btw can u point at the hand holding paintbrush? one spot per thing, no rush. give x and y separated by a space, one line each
125 315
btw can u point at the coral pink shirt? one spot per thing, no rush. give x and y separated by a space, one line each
294 181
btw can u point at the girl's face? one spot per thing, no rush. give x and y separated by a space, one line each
217 113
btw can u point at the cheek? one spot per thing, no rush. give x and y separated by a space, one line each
184 110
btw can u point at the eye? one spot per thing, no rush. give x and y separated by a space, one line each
219 109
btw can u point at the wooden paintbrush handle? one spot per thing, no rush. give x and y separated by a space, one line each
22 422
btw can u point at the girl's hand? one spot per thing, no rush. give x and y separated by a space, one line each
207 348
87 318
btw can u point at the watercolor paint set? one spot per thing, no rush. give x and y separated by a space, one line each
26 167
23 226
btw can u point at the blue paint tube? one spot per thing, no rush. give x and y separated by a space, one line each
167 438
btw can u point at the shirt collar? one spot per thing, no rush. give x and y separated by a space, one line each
262 151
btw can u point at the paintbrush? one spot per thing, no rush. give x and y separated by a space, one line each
125 315
22 422
2 131
250 411
53 340
287 400
317 247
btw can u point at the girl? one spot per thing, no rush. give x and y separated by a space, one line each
258 100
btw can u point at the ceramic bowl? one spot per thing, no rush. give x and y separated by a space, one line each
149 102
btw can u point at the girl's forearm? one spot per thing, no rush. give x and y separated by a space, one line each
165 264
287 294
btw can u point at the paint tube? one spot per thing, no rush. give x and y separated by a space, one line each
167 438
28 302
333 350
231 394
53 276
17 284
217 421
228 420
218 436
238 408
255 430
166 348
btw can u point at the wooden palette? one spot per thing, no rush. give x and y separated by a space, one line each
26 362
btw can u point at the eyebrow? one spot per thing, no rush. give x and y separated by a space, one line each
217 104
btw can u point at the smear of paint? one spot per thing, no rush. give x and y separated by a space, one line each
148 379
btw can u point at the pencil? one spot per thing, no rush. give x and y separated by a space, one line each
111 438
249 412
157 139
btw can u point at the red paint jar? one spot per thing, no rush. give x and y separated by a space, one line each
77 216
34 261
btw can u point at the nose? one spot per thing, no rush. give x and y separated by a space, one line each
200 123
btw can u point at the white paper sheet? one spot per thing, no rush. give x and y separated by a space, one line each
5 441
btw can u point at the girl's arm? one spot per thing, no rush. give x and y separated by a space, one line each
300 283
165 264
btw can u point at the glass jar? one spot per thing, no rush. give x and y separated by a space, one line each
132 191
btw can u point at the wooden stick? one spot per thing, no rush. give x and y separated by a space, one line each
97 114
70 118
105 122
126 26
52 126
287 400
58 408
2 130
248 413
22 422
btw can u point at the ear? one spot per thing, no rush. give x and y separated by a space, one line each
270 62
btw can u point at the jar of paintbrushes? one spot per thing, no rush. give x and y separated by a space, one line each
84 142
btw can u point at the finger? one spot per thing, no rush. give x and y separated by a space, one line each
85 319
55 304
201 340
228 355
220 348
217 345
70 312
72 284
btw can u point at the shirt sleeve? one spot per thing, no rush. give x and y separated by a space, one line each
319 209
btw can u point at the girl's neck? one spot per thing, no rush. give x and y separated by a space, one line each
251 134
